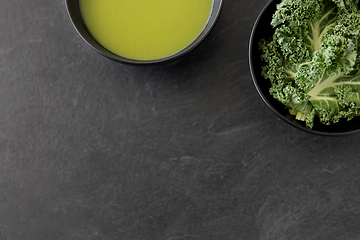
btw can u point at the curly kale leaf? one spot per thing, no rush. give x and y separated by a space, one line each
347 5
300 26
312 59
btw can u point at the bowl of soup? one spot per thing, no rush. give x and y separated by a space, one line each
143 31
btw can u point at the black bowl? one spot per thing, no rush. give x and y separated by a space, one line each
73 9
262 29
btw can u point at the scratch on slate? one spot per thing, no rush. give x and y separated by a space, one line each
181 237
325 170
237 129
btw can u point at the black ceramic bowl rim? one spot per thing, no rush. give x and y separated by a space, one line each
262 29
73 10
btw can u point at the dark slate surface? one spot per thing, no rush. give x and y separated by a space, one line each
91 149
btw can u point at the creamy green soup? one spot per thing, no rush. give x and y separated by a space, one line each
145 29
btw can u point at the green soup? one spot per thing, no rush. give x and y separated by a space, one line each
145 29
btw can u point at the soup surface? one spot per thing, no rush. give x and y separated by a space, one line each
145 29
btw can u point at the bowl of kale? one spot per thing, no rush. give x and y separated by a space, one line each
304 58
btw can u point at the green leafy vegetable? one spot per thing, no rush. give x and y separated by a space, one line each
312 60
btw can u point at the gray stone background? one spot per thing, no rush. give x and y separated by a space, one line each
91 149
